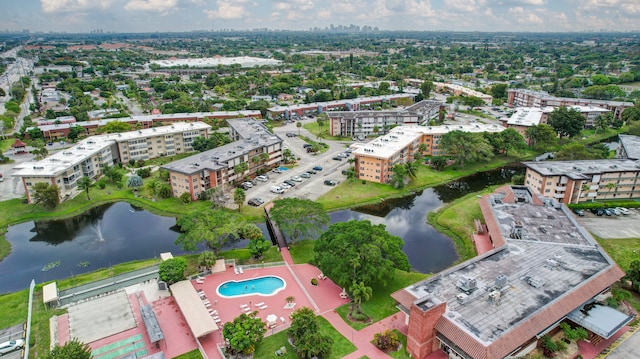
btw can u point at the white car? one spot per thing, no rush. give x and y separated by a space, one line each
8 347
262 178
277 189
285 186
623 211
296 178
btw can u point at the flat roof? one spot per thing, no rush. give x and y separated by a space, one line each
547 256
254 135
581 169
303 106
62 160
50 293
631 145
546 96
416 109
400 137
193 309
528 116
244 61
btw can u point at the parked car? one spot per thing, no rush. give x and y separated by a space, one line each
246 185
312 172
277 189
291 134
623 210
12 345
1 177
317 168
330 182
284 185
337 158
615 211
579 212
599 212
296 178
608 212
277 170
306 145
290 183
262 178
305 175
256 202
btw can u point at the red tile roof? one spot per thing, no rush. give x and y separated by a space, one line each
403 297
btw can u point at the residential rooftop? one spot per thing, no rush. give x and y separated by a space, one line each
62 160
631 145
253 135
244 61
547 256
546 96
400 137
338 102
580 169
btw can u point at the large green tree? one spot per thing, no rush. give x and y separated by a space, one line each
357 251
239 196
299 218
577 151
212 228
633 274
566 122
172 270
511 139
71 349
631 114
543 136
244 333
46 194
466 147
306 335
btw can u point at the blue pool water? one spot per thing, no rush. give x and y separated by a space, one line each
265 286
284 169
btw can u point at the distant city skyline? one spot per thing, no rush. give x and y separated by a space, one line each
418 15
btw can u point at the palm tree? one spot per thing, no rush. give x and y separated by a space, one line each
153 186
412 168
84 184
298 125
360 291
238 197
399 172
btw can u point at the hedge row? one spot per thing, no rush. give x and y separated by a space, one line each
607 204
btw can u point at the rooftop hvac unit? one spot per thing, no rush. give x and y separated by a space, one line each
535 282
467 284
494 296
501 281
462 298
552 263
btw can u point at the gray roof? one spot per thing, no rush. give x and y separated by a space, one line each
631 145
581 169
253 135
552 256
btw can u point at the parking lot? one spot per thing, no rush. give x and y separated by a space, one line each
614 226
12 333
312 187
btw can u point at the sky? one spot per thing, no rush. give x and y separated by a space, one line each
418 15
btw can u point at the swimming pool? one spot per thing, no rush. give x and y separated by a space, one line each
264 286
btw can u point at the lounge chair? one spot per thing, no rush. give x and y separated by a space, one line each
244 306
235 269
259 304
263 307
247 309
344 294
200 281
240 270
322 276
282 320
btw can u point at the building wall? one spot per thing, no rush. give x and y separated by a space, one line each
600 186
158 145
421 335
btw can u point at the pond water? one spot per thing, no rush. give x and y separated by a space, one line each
120 232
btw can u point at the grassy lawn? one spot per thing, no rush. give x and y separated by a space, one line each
302 251
456 221
622 250
402 353
194 354
268 346
315 129
356 192
381 304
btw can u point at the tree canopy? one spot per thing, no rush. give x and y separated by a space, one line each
46 194
299 218
213 228
71 349
566 122
172 270
357 251
542 135
466 146
577 151
306 335
244 333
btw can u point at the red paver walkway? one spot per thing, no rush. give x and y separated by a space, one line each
482 241
590 351
64 331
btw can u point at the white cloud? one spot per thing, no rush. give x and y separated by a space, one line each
52 6
462 5
151 5
525 17
228 10
623 6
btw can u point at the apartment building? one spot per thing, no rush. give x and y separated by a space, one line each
587 180
525 117
60 130
355 104
254 145
629 147
530 98
374 160
367 123
544 269
89 156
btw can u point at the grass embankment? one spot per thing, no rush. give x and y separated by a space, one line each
356 192
340 348
194 354
314 129
456 221
622 250
381 305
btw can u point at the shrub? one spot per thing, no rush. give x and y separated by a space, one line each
164 191
185 198
386 341
144 172
314 281
102 185
132 162
140 163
